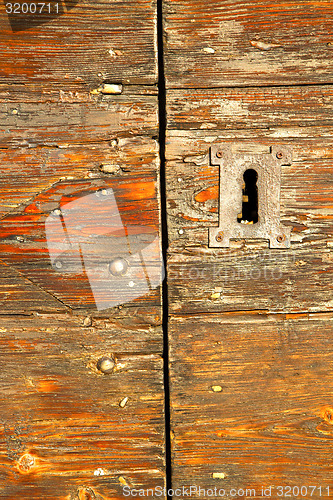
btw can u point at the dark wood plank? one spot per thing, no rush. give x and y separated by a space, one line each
209 44
251 402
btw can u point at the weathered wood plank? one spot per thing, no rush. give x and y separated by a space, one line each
209 44
250 277
110 146
272 107
28 171
18 293
64 424
87 334
25 237
92 43
79 119
251 401
89 118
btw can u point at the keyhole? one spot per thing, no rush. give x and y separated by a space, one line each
249 213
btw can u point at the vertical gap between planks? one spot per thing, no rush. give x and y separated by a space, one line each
162 132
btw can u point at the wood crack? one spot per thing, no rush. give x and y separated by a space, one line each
252 312
34 284
269 86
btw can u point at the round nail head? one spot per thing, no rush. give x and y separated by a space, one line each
118 266
106 364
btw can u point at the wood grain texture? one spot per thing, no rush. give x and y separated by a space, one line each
112 142
93 42
28 199
32 118
250 327
68 431
251 401
252 278
27 171
62 426
209 44
27 242
230 109
64 434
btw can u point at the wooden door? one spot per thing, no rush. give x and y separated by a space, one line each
250 327
81 404
249 330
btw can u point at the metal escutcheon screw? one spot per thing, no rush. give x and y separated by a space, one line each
279 155
219 236
281 238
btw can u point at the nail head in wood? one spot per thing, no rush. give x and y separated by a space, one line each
118 266
106 364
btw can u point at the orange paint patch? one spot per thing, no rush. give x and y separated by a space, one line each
296 315
212 193
47 386
139 190
192 219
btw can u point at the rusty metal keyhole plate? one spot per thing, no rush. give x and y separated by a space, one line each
232 167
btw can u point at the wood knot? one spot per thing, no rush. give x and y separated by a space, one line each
85 494
26 463
327 415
